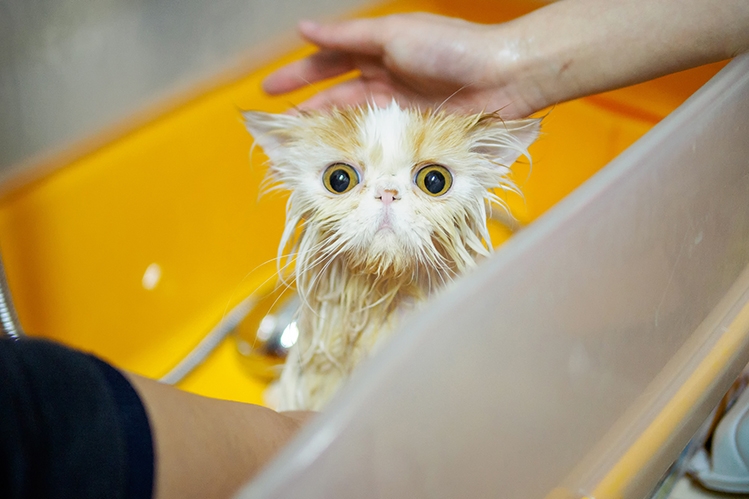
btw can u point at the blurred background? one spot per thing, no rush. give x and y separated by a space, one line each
70 67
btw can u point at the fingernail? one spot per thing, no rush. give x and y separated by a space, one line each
307 26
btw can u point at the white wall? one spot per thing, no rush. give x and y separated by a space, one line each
69 67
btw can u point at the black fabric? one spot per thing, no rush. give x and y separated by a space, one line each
66 422
136 432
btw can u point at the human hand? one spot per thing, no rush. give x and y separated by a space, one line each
551 55
416 59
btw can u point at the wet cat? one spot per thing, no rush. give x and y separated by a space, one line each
387 206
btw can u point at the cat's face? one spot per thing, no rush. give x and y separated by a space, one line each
391 189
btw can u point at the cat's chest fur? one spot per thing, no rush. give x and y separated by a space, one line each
348 313
340 326
387 207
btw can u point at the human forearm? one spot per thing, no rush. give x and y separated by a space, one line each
574 48
206 447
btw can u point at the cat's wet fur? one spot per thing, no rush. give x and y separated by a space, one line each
365 257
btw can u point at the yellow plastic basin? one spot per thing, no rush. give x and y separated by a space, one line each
135 248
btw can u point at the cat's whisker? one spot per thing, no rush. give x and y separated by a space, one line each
307 288
273 305
310 288
442 104
249 273
318 90
329 249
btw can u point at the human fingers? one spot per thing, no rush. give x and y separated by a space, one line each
339 42
357 91
365 36
319 66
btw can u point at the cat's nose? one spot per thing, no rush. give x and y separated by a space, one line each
387 196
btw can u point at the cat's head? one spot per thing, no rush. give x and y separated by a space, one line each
391 189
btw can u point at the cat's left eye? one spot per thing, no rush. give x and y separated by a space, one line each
340 178
435 180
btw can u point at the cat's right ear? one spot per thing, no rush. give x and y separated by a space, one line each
270 131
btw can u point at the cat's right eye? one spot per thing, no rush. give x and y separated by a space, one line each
339 178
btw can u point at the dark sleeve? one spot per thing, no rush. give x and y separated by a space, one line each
71 426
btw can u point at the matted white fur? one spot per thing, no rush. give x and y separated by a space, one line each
363 258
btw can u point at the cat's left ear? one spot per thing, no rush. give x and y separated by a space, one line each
503 142
270 131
